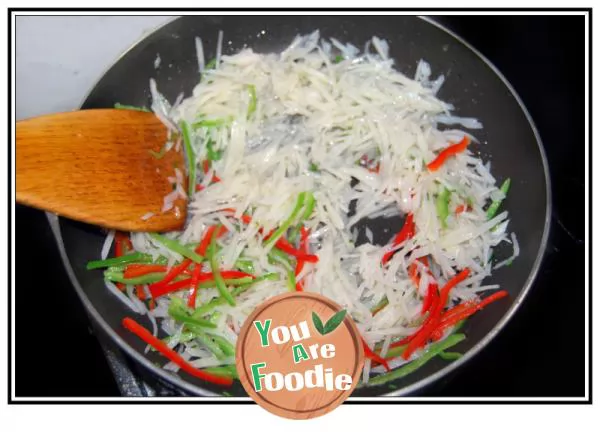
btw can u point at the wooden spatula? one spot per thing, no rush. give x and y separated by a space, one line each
97 166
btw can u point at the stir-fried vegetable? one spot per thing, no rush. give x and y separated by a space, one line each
433 350
190 155
161 347
495 205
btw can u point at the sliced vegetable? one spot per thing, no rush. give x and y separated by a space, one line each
214 266
136 257
407 232
177 247
452 319
190 155
434 350
140 280
441 205
495 205
204 309
161 347
289 221
207 340
211 64
180 312
130 107
450 356
135 270
211 123
211 153
245 265
450 151
252 103
374 357
431 322
309 206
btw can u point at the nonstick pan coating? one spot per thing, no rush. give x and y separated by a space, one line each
473 85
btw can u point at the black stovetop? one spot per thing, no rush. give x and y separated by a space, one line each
540 352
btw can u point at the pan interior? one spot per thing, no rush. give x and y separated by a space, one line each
508 140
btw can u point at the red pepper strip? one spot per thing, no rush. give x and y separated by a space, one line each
459 209
161 347
286 247
173 273
469 309
206 168
413 274
157 290
194 283
428 300
374 170
375 357
203 246
139 289
432 321
199 187
300 263
282 244
407 231
452 150
135 270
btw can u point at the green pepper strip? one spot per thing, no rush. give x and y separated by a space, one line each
229 282
214 266
207 341
338 58
211 123
175 246
191 157
495 205
186 336
399 350
450 356
396 351
211 64
382 303
434 350
207 307
441 204
140 280
245 265
136 257
309 206
294 233
252 104
211 153
226 346
286 224
180 312
226 371
130 107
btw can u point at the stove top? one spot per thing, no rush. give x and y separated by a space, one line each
546 67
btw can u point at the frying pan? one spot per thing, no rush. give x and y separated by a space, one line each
509 139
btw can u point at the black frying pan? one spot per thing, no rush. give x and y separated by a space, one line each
472 84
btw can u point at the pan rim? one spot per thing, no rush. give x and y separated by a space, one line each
193 389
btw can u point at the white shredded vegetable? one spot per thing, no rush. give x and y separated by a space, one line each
355 134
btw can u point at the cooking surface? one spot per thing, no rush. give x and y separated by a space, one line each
546 69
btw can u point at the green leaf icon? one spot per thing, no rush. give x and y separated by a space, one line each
317 322
334 321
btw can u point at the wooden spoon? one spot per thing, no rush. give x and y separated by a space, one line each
96 166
